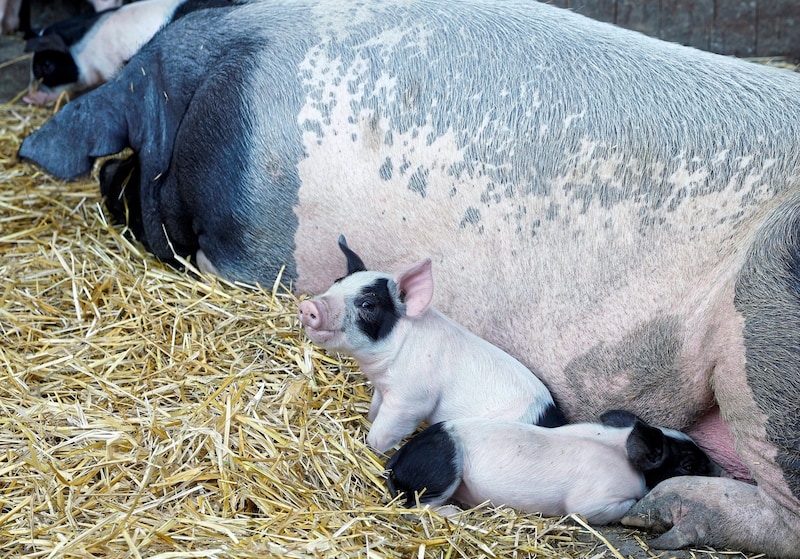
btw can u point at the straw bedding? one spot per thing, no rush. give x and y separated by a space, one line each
149 412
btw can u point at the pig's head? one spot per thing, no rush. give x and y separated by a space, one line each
362 311
53 65
660 453
52 68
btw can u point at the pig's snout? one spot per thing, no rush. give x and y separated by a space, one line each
312 314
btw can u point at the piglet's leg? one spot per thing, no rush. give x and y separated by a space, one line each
390 426
718 512
375 405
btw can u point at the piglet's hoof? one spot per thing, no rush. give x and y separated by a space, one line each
675 508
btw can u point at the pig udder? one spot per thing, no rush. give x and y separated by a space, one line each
712 435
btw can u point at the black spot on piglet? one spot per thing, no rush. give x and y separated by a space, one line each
376 311
427 467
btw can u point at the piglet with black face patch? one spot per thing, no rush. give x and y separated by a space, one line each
424 366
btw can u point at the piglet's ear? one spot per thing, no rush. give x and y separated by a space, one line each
51 41
354 262
646 447
416 287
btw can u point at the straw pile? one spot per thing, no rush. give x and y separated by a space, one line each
147 412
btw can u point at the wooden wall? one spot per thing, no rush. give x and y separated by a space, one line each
738 27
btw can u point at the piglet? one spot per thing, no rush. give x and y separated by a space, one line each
85 51
596 470
423 366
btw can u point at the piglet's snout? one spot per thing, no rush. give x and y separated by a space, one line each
312 314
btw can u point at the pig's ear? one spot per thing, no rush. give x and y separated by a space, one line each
416 287
618 418
51 41
87 128
354 262
646 447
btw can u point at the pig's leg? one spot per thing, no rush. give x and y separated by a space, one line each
375 405
601 513
391 425
755 344
719 512
204 264
9 15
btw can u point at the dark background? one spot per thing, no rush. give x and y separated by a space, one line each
739 27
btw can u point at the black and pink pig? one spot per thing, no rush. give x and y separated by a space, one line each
598 470
423 365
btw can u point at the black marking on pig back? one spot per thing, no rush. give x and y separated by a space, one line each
376 312
426 464
768 297
618 418
193 5
551 416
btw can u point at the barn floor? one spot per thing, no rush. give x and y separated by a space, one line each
146 412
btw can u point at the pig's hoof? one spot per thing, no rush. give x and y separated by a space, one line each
677 510
204 264
448 511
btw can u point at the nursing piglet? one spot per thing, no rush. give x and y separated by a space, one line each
423 366
596 470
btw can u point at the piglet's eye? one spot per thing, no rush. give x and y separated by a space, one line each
366 305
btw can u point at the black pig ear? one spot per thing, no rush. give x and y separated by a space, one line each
354 262
619 418
51 41
646 447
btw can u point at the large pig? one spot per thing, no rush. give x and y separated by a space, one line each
595 470
84 51
422 365
620 213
